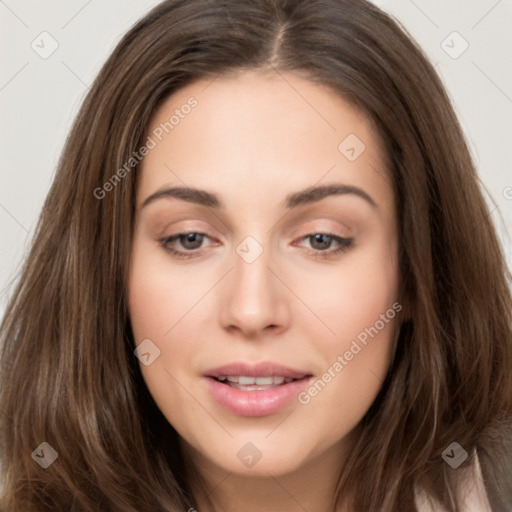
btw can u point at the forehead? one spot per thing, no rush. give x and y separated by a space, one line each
257 134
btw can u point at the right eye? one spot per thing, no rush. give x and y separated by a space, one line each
189 241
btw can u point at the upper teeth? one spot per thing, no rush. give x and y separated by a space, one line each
260 381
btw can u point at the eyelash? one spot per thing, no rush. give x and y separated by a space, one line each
344 245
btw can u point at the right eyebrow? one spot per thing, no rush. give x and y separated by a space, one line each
189 194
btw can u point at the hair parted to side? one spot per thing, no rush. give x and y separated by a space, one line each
68 373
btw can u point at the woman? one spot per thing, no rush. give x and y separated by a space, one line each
264 278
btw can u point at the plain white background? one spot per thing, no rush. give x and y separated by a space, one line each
469 42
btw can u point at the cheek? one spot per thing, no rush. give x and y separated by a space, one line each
164 307
352 297
156 304
341 396
158 298
359 306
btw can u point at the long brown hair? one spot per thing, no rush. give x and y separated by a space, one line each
68 373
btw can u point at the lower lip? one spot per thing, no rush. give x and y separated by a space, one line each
255 403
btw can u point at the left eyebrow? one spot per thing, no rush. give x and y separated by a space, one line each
314 194
294 200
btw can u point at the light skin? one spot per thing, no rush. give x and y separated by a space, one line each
253 140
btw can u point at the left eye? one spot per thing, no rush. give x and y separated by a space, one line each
321 243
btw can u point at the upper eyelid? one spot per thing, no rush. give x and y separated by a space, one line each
343 230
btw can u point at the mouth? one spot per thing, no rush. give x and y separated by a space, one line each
262 389
247 383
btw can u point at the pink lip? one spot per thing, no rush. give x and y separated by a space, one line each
264 369
255 403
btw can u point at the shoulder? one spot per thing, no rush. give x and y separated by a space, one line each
473 494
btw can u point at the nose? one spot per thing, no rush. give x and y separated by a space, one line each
254 300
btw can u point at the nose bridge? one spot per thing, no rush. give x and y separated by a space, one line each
254 298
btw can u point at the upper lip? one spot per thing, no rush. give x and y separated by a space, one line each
263 369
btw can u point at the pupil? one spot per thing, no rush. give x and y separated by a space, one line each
191 240
324 240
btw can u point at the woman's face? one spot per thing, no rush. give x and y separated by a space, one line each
289 271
